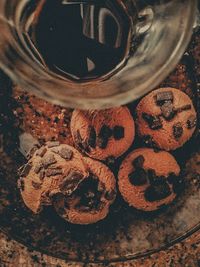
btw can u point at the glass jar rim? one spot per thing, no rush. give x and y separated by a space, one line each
104 92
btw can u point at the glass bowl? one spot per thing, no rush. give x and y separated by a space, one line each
126 233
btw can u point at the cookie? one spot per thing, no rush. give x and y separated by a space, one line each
90 202
148 179
166 118
103 134
50 168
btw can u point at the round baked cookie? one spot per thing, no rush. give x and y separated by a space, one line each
90 202
103 134
166 118
41 119
50 167
148 180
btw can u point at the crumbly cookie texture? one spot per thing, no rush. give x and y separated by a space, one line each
90 202
80 189
148 179
47 169
166 118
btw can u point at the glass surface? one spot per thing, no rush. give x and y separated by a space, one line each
125 233
148 40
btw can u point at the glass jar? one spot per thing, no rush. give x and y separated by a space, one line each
158 35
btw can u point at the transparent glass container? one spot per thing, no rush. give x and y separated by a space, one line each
159 32
125 233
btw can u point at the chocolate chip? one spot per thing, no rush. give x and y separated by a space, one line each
53 144
154 122
38 167
105 131
177 130
89 203
138 162
71 182
102 142
53 172
110 195
21 184
48 160
41 152
157 180
92 137
191 122
36 186
32 152
118 132
65 153
87 192
157 192
24 170
184 108
151 175
42 174
103 137
167 110
138 177
162 97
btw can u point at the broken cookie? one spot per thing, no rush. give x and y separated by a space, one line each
51 167
89 202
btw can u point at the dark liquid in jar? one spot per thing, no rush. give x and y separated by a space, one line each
81 40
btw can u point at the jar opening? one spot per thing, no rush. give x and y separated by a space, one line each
81 40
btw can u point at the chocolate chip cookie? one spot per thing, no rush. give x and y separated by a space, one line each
166 118
103 134
148 179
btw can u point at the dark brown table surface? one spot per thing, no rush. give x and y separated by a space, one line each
184 254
